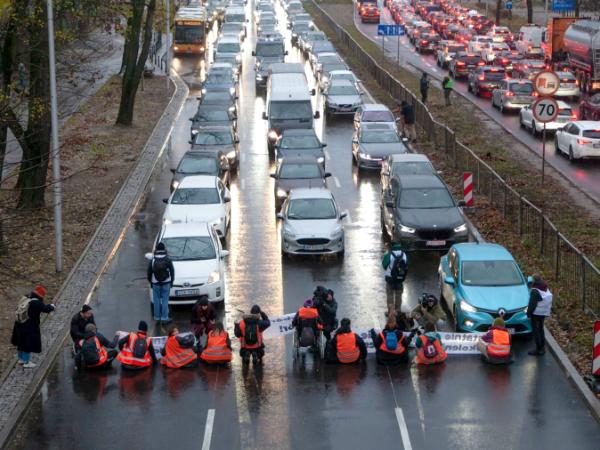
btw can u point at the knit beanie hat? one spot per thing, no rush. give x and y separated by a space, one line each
255 309
40 291
142 326
308 303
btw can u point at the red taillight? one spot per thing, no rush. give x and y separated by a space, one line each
504 61
535 94
583 141
574 116
424 42
481 78
510 94
481 63
460 63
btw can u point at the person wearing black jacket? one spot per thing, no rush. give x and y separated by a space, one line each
540 307
26 336
203 317
407 121
327 307
424 87
91 333
78 323
258 320
390 356
161 274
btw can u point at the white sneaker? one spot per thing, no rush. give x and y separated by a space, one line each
30 365
20 362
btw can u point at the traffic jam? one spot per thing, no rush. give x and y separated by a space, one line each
501 66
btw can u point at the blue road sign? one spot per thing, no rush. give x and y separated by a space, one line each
508 5
563 5
390 30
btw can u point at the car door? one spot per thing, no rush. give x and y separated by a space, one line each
453 265
499 92
562 135
389 205
571 136
224 194
526 115
355 143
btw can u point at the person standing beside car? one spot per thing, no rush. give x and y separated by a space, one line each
407 121
540 307
448 85
424 87
161 275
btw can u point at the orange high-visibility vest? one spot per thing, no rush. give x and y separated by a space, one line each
102 353
347 350
242 339
399 349
500 345
216 350
441 353
126 356
310 314
175 355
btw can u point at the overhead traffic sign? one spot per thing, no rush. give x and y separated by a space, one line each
545 110
390 30
546 83
563 5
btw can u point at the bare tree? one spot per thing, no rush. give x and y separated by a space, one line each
529 11
498 10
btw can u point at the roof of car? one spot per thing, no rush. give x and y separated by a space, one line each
408 157
482 252
198 181
421 181
588 124
229 39
310 193
374 107
341 83
210 128
184 229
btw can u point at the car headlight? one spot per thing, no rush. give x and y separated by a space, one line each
232 90
288 232
167 221
405 229
320 160
281 193
466 307
272 135
174 184
461 228
337 233
204 90
214 277
364 155
175 48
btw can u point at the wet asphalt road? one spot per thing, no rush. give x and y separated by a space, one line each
463 404
583 173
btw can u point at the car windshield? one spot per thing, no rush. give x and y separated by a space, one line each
535 64
379 137
228 47
343 76
233 27
494 75
565 112
270 49
316 37
190 248
213 138
216 97
491 273
521 88
302 171
195 196
343 90
412 168
218 77
323 47
291 110
212 115
308 141
197 165
301 26
377 116
311 209
592 134
425 199
329 59
235 18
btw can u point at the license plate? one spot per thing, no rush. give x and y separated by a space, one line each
511 331
187 292
312 247
435 243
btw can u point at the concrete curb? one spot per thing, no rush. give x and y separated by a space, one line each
19 386
561 357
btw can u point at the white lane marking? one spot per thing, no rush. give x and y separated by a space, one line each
327 157
337 182
403 429
208 429
243 183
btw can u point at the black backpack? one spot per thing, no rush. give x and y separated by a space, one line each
160 268
398 271
251 334
139 347
89 352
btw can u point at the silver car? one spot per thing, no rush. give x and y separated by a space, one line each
342 97
569 86
373 142
513 94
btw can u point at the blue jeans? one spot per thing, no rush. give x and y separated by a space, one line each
23 356
160 299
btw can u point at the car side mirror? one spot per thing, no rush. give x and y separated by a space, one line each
264 116
323 145
148 256
190 142
165 200
227 198
172 170
253 53
449 281
224 253
326 175
273 175
317 115
313 92
462 203
191 119
343 215
285 53
280 216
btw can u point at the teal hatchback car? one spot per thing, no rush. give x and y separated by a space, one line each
480 282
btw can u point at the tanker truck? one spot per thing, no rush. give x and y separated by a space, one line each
582 47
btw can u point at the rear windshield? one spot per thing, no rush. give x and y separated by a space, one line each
377 116
270 49
455 48
592 134
197 165
470 59
518 88
228 47
566 112
412 168
213 138
496 75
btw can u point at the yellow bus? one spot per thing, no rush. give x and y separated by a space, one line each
190 31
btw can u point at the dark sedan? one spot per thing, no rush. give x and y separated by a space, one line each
212 115
483 80
463 63
297 172
201 163
300 143
220 98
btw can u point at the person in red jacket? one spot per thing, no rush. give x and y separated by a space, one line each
136 350
179 351
218 346
495 344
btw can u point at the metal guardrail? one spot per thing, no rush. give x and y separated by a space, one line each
570 267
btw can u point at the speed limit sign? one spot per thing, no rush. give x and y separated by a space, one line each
545 110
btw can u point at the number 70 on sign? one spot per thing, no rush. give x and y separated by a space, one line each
545 110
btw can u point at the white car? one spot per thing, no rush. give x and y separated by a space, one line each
373 113
197 255
311 223
229 49
491 49
335 75
579 139
565 115
342 97
476 44
200 198
569 86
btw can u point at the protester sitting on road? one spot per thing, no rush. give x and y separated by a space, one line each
429 347
428 311
307 324
218 346
78 323
136 350
495 344
391 347
250 330
326 304
26 335
93 353
404 322
203 317
180 351
346 347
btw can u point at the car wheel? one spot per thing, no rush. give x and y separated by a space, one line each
534 132
456 324
571 154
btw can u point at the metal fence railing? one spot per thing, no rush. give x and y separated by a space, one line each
571 268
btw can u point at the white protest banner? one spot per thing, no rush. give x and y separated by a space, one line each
280 326
158 342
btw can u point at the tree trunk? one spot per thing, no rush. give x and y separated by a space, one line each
498 11
529 11
134 58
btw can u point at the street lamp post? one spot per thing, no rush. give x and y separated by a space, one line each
55 151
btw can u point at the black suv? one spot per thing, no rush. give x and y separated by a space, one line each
483 80
419 213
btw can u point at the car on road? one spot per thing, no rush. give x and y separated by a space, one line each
311 223
565 115
300 142
513 94
589 108
344 74
318 47
373 113
229 49
369 13
527 68
324 75
306 42
419 213
220 98
426 42
298 29
579 139
200 198
480 282
222 139
236 30
211 115
477 43
201 163
404 164
507 60
447 52
491 49
373 142
267 52
197 255
463 63
342 98
295 172
324 58
219 80
483 80
569 86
